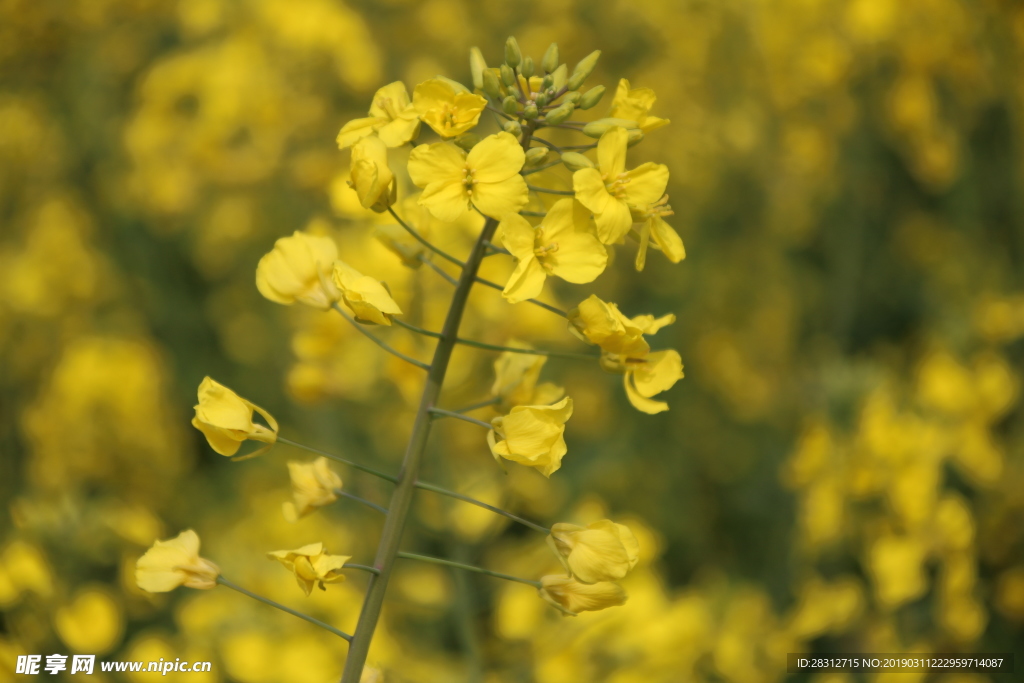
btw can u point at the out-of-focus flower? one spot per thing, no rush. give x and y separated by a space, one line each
173 563
298 268
572 597
601 551
314 484
635 105
487 178
654 231
372 179
610 190
367 297
392 117
515 380
448 111
532 436
312 565
225 418
601 323
565 244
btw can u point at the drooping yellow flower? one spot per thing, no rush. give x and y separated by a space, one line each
532 436
515 380
372 179
610 190
367 297
602 551
572 597
601 323
655 232
392 117
314 485
487 178
565 244
650 375
298 268
449 111
225 418
635 105
173 563
312 565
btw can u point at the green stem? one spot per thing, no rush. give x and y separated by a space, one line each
495 285
459 416
363 567
469 568
379 342
358 499
531 352
267 601
539 214
440 271
498 250
416 328
338 458
481 404
419 238
566 193
541 168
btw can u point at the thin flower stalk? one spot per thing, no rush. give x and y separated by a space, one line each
468 567
419 238
267 601
378 341
459 416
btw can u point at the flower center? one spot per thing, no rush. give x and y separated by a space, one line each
450 114
617 186
467 180
388 106
659 208
544 250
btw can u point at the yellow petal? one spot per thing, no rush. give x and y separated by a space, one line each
614 223
400 131
357 129
390 100
590 189
659 373
446 200
667 239
220 440
526 281
611 152
646 184
517 235
495 158
580 258
497 200
439 162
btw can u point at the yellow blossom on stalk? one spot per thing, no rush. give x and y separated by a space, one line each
655 232
601 323
635 105
532 436
448 111
372 179
602 551
392 117
298 268
645 377
173 563
367 297
515 379
572 597
610 191
487 178
314 485
565 244
312 565
225 419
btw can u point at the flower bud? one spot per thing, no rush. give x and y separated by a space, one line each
467 141
574 161
527 67
477 66
512 54
508 76
550 61
536 155
513 128
592 97
560 113
574 97
583 69
542 99
635 136
509 105
491 87
548 81
530 111
596 129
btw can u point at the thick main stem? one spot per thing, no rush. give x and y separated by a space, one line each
401 500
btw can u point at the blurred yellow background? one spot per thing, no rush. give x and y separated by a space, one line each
842 468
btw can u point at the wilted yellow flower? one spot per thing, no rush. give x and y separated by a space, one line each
635 105
610 190
225 418
298 268
565 244
372 179
648 376
532 436
173 563
367 298
312 565
487 178
655 232
515 379
392 117
572 597
601 323
449 111
314 485
601 551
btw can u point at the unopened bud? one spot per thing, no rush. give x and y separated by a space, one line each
491 87
536 155
574 161
542 99
467 141
508 76
586 65
574 97
550 61
592 97
509 105
530 111
512 54
560 113
548 81
596 129
527 67
477 66
635 136
513 128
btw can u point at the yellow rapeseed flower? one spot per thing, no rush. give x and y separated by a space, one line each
314 485
601 323
654 231
392 117
610 190
447 110
487 177
532 436
565 244
312 565
372 179
367 297
173 563
601 551
572 597
298 268
648 376
635 105
515 380
225 418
